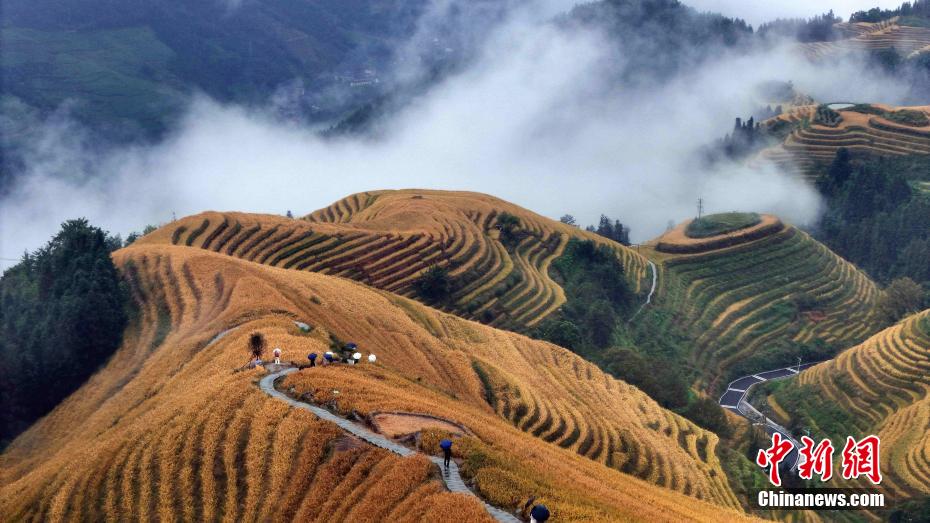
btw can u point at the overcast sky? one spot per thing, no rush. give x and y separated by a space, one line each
759 11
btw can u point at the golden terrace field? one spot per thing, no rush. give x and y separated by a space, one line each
166 430
865 36
387 239
740 301
812 144
882 387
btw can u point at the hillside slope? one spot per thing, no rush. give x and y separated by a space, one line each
753 299
167 430
893 34
129 70
387 239
878 387
810 144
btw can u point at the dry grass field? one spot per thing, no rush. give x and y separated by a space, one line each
811 144
166 430
882 386
387 239
741 301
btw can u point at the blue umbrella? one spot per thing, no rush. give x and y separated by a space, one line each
445 444
351 345
540 513
311 356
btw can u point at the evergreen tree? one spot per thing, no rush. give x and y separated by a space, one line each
902 298
508 225
613 230
434 285
838 174
62 314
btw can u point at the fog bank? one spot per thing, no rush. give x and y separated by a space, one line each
535 119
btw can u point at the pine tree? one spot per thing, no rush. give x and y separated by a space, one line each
63 311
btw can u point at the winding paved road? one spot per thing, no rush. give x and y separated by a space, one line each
734 399
450 476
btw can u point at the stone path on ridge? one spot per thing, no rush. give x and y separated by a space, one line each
450 476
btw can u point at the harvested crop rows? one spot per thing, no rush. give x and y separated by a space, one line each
811 145
166 430
883 384
741 299
387 239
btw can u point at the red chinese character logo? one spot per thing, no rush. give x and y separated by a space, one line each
773 456
861 459
819 460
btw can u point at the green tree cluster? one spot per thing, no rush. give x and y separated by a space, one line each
598 298
826 116
434 285
509 226
63 310
611 229
875 217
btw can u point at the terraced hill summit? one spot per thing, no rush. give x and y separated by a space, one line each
388 239
868 129
758 295
877 387
166 430
900 34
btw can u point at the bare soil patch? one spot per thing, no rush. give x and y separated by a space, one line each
394 425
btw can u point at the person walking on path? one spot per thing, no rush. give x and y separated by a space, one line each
277 355
446 446
312 358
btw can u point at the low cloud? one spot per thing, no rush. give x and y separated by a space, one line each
536 119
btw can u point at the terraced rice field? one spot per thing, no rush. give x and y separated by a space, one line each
166 430
811 145
864 36
387 239
676 240
883 384
738 300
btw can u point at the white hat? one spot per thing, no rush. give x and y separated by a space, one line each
329 352
372 358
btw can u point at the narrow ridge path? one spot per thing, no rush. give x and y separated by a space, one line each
450 476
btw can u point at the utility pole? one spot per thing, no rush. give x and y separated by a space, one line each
700 208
